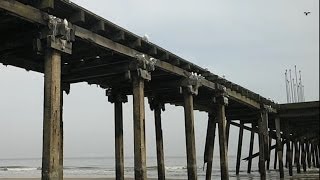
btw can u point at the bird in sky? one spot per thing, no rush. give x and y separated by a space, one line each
307 13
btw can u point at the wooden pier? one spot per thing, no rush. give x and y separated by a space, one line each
70 44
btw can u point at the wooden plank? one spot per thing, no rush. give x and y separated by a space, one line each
159 142
222 122
52 154
251 148
140 170
239 149
190 137
209 147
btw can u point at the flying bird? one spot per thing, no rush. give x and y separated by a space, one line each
307 13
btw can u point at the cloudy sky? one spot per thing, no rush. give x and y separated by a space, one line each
250 42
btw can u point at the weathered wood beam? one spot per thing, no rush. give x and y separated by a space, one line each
105 72
52 168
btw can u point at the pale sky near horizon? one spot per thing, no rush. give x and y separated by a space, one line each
250 42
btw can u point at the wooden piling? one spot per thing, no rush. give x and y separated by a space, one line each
289 156
308 154
119 141
61 136
209 148
52 156
251 149
227 133
316 148
190 137
222 121
297 156
275 157
313 159
269 154
159 140
279 146
303 155
118 99
262 133
239 148
139 129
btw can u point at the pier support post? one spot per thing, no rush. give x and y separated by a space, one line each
316 147
222 101
190 138
275 157
297 156
279 146
118 99
58 31
52 169
269 153
227 133
313 155
303 155
289 154
308 154
251 148
140 170
141 69
263 142
239 148
209 148
156 105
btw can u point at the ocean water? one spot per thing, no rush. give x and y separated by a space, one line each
104 167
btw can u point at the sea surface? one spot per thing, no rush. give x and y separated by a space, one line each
97 167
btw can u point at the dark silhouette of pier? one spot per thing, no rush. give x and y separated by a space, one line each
69 45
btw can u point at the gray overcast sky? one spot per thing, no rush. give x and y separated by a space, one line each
250 42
